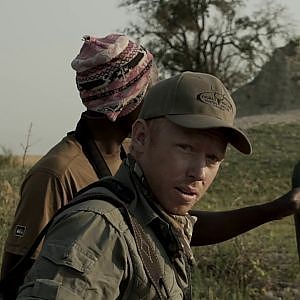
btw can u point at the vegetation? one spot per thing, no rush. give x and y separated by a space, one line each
7 158
11 176
211 36
261 264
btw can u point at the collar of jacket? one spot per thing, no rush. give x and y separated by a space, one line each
174 232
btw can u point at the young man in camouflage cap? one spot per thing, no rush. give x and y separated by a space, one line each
97 250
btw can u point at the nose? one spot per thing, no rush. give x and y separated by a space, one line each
197 169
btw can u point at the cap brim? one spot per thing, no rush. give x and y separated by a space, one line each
236 137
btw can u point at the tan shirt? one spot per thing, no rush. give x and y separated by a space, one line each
50 184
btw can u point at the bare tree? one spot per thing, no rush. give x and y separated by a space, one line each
26 146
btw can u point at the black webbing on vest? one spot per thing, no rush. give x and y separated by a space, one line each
149 258
143 243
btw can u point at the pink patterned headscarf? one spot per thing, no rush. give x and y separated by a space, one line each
112 74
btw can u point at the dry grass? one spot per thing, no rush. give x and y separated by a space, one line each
30 160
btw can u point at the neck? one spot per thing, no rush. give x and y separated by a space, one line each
107 135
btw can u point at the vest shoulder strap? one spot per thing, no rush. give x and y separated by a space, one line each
144 246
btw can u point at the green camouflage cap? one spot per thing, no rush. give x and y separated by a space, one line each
195 100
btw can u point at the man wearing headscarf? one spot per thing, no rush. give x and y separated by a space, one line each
112 75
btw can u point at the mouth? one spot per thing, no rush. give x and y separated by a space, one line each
188 193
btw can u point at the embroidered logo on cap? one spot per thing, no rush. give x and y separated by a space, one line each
216 99
20 230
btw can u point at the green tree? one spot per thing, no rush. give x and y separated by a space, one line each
212 36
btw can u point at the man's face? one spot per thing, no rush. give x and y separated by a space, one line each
179 163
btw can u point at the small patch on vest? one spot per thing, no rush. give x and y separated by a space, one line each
216 99
20 230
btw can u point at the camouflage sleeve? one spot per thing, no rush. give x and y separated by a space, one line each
84 257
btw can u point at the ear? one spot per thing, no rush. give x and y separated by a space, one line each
139 135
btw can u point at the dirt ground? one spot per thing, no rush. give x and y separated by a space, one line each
283 117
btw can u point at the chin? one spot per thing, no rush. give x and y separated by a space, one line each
178 211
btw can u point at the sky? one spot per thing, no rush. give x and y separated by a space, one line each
39 39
